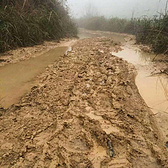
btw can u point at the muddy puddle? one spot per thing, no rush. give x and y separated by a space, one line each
153 88
17 79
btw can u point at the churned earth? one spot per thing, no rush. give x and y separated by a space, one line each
86 112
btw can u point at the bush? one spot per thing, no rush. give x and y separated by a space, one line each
154 32
32 22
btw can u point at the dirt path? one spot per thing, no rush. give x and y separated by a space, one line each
85 112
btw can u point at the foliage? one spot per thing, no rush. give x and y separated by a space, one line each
104 24
153 32
30 22
150 31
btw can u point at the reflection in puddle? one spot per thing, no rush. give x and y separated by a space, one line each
154 90
68 50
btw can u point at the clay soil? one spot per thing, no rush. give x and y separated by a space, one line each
86 112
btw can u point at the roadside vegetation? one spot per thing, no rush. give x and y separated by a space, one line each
150 31
104 24
153 32
30 22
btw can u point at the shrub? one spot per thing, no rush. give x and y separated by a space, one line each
30 22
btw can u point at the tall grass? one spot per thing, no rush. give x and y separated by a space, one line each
153 32
30 22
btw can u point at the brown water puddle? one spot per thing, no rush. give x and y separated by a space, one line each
153 88
17 79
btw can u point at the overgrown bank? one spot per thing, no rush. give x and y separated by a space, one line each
30 22
150 31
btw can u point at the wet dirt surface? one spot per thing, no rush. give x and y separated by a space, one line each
86 111
117 38
152 85
17 79
153 88
22 54
22 66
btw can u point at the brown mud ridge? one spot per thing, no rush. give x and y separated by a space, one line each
85 112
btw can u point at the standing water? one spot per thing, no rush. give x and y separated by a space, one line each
153 88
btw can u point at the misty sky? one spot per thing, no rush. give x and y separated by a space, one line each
119 8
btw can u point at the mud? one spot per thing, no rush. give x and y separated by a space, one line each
25 53
152 79
20 72
151 83
17 79
85 112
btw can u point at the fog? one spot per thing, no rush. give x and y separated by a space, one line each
117 8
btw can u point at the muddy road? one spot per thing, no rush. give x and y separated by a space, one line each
152 85
85 111
19 74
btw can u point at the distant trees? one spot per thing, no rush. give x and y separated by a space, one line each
104 24
150 31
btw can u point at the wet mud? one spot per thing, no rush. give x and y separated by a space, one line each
151 79
26 53
86 111
151 83
17 79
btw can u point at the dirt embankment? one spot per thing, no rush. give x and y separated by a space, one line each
86 112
